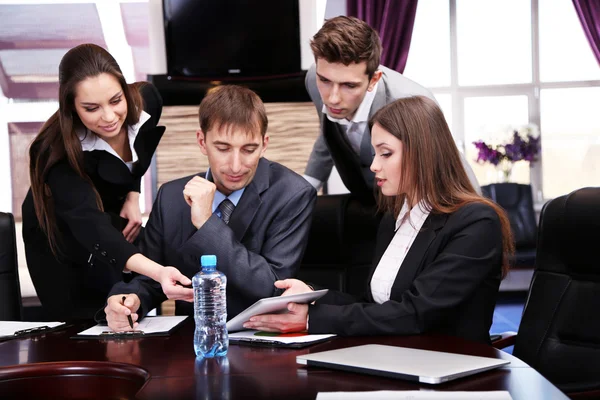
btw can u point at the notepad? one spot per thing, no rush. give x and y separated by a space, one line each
294 340
149 326
11 329
414 395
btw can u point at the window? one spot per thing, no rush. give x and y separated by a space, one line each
492 51
503 63
565 53
34 39
429 55
571 139
488 118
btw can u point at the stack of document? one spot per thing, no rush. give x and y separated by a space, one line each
414 395
294 340
14 329
149 326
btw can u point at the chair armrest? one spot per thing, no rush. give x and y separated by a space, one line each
506 339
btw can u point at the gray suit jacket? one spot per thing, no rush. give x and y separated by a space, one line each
264 241
332 147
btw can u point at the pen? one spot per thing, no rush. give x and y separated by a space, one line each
129 316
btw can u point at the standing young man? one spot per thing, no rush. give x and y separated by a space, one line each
347 86
252 213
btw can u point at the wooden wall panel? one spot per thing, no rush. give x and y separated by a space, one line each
178 154
293 128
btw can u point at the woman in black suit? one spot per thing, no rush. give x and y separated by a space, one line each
81 215
441 248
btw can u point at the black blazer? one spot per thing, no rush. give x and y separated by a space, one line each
448 282
94 250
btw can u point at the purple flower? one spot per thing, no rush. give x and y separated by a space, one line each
487 153
517 149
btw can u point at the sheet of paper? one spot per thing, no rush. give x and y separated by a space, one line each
148 325
8 328
414 395
287 338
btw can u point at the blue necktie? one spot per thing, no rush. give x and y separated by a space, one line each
226 208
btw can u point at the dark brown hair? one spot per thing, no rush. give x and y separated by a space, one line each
347 40
232 105
58 140
432 170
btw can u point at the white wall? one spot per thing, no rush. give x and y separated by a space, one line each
5 181
156 38
335 8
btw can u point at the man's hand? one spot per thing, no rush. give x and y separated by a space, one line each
294 321
199 194
171 281
293 286
117 311
131 212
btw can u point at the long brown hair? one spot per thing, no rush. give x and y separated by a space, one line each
432 170
58 140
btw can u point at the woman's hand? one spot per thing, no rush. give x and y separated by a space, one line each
131 211
173 282
294 321
293 286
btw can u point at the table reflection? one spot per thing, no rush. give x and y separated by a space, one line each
124 351
211 378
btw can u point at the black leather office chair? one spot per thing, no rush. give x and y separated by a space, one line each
341 244
559 334
517 200
10 290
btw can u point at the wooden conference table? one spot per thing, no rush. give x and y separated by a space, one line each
169 369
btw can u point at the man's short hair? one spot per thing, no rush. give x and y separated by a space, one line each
232 105
347 40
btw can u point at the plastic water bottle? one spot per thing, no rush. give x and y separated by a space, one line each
210 310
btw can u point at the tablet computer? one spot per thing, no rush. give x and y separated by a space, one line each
272 305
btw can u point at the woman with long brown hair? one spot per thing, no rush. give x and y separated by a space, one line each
442 249
81 215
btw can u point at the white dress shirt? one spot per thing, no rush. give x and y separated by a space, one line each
355 127
407 230
90 141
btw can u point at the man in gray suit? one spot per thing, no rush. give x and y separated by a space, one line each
252 213
347 86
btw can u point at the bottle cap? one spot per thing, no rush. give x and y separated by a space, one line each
208 261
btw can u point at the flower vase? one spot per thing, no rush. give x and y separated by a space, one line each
504 172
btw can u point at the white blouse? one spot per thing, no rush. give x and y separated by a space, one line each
389 265
90 141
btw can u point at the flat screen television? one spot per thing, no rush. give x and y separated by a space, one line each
219 39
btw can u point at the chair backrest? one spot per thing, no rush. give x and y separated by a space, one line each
516 199
341 243
10 290
559 333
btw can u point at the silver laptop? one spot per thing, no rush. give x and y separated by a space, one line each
400 362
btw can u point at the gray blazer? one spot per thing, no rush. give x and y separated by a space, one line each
264 241
331 146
